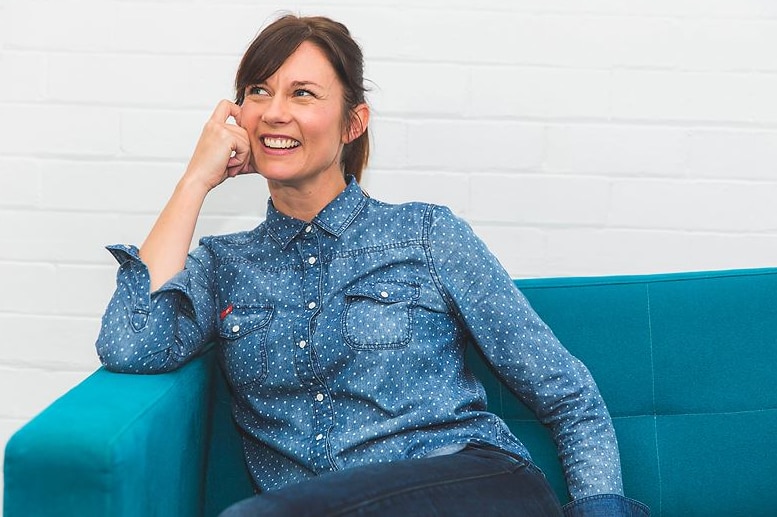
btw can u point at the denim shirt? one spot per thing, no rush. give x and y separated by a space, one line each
343 340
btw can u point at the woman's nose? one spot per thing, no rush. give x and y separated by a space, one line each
277 111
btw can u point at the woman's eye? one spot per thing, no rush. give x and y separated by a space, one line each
303 93
256 90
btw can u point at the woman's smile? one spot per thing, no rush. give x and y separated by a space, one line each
279 144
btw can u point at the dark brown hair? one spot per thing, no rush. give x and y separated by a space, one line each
281 38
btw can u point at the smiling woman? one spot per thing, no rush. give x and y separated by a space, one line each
342 322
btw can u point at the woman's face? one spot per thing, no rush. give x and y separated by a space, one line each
294 120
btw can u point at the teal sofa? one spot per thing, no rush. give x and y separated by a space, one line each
687 363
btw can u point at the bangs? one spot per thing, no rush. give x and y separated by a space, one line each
267 53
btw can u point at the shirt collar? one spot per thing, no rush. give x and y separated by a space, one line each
333 218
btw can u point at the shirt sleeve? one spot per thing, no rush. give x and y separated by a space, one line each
145 332
526 354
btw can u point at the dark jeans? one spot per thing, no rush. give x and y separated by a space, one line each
475 481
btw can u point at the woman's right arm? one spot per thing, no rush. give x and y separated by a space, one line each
222 151
163 310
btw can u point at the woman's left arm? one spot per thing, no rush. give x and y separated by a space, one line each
527 355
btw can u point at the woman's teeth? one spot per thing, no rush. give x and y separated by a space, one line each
280 143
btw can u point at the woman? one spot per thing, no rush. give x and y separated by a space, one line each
342 321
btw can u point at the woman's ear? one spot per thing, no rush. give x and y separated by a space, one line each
360 117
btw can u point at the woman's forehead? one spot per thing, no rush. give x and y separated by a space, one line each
307 65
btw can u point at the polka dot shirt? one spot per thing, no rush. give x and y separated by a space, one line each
343 340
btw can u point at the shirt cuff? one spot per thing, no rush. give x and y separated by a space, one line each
134 275
606 505
129 255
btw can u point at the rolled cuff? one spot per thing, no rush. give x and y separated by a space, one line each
133 273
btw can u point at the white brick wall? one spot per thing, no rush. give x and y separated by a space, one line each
579 138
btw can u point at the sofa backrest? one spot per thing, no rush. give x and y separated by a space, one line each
686 363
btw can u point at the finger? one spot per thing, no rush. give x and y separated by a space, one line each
242 158
241 150
224 110
238 115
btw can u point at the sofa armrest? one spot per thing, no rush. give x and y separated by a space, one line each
116 444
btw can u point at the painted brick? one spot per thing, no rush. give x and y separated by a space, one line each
733 153
26 392
161 134
522 251
89 25
701 206
22 76
19 182
122 186
381 31
646 42
48 236
617 149
244 195
458 36
650 8
53 342
388 143
502 92
581 252
538 200
473 145
694 96
147 27
70 296
3 25
27 288
158 81
726 44
435 90
55 129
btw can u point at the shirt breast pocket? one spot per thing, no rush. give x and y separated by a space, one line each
379 315
243 335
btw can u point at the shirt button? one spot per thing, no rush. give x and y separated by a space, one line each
312 260
312 305
320 397
319 437
236 328
308 228
303 344
383 294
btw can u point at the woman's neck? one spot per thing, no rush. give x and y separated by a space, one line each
304 201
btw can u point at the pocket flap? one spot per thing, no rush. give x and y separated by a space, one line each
384 291
242 320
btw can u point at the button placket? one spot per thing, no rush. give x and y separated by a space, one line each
304 356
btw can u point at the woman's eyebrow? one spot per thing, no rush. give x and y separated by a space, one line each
302 84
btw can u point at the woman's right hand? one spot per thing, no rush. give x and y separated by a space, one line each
223 150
